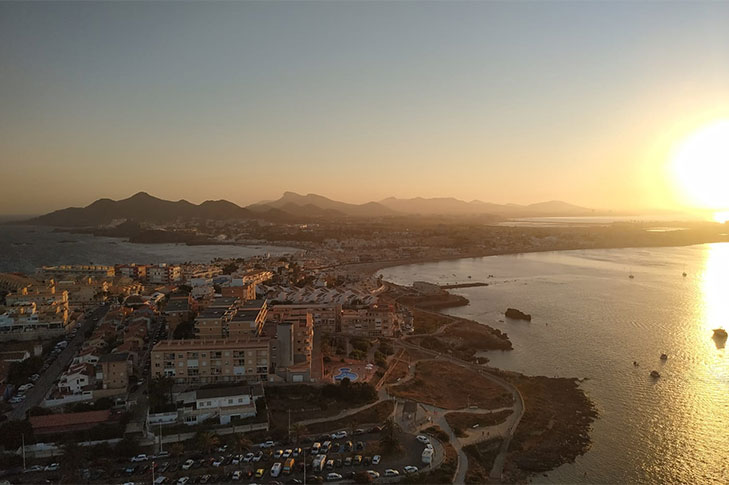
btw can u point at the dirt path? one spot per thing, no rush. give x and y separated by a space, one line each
508 428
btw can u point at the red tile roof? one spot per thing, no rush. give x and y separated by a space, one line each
67 421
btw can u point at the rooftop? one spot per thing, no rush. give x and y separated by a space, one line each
193 344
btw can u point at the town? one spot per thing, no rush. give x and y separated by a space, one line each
306 366
151 365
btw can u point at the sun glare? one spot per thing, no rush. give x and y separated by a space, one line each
701 167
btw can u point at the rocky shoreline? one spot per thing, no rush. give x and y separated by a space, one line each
555 428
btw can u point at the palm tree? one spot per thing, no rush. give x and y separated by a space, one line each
388 440
176 449
73 457
242 443
206 440
298 431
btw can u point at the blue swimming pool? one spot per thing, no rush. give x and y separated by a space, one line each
345 372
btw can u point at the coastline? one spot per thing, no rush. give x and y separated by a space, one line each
552 406
370 268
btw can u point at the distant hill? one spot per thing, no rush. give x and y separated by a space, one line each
144 208
452 206
313 205
290 208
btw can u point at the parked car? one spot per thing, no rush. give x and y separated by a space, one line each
373 474
390 472
339 435
237 474
260 472
249 456
188 464
409 470
140 457
258 456
376 459
53 467
423 439
333 477
183 480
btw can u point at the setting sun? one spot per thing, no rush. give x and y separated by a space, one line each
701 167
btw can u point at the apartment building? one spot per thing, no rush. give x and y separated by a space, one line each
372 321
133 271
65 272
228 317
113 370
325 317
205 361
164 274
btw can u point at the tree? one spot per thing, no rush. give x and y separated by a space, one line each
230 268
176 449
206 440
73 458
160 395
12 433
127 447
362 477
242 443
388 437
298 431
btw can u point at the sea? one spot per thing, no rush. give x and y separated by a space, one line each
24 249
590 320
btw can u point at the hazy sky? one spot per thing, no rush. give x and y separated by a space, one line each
500 101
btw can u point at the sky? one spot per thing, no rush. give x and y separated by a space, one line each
499 101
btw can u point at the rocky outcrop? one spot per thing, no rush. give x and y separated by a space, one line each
515 314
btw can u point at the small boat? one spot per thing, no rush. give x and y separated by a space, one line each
684 274
655 374
720 334
664 357
635 363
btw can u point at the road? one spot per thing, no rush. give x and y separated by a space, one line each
515 418
36 395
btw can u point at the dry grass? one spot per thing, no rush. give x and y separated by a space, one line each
465 421
400 368
376 414
451 386
481 457
426 322
555 426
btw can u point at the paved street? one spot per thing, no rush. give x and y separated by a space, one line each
36 395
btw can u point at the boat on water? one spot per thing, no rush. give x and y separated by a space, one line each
631 276
664 357
684 274
655 374
720 333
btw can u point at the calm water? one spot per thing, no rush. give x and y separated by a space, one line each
25 248
590 320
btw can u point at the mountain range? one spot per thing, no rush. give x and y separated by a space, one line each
291 207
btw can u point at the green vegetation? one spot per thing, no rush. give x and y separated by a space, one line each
19 372
184 330
481 457
230 268
160 395
13 432
388 438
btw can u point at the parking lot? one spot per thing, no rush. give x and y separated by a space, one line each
345 457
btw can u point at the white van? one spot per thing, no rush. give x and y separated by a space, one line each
427 455
276 469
